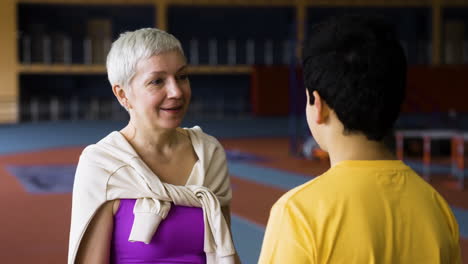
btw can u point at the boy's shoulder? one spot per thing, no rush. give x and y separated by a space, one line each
307 192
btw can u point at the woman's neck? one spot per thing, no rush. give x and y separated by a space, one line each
156 141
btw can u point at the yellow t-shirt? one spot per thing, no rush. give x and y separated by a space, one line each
362 212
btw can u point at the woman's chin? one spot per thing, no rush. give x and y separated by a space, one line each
169 124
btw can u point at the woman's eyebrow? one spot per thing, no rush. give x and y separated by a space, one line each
151 74
157 72
182 68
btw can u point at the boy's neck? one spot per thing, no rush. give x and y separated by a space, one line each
357 147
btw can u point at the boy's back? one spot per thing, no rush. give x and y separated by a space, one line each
369 207
362 212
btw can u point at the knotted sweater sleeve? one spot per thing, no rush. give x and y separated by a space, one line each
217 177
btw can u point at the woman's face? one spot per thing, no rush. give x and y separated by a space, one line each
160 92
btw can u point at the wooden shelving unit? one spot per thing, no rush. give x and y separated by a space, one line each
61 69
10 69
87 2
8 72
208 69
101 69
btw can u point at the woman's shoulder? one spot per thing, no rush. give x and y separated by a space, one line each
92 148
108 153
196 133
114 142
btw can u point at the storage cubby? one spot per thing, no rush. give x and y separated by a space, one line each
75 34
252 36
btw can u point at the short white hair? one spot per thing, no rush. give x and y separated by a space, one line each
133 46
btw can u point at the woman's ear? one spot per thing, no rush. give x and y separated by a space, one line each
322 110
121 95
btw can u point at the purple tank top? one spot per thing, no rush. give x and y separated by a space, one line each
179 238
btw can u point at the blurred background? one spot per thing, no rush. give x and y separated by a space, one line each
247 90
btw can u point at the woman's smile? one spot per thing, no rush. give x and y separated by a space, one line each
173 110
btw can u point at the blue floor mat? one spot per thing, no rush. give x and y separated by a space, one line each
45 178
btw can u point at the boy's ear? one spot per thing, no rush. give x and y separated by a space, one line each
322 110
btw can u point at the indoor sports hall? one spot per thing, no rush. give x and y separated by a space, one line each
247 91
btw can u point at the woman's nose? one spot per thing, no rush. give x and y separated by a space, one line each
173 89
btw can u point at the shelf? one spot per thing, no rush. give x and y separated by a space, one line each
101 69
369 3
250 3
233 3
87 2
454 3
259 3
220 69
61 69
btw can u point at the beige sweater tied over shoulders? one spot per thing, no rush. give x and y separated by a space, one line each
111 169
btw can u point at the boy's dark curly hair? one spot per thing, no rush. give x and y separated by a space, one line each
357 65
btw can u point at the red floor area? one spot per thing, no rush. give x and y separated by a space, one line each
35 226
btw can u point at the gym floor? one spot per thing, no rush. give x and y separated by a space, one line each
37 163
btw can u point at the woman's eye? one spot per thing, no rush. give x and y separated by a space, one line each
182 77
157 82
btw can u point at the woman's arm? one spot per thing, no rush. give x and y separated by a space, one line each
95 245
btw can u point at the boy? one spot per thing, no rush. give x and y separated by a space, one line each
368 207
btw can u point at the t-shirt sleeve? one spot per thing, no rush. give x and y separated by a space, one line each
455 256
284 240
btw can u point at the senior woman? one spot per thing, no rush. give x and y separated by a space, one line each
152 192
